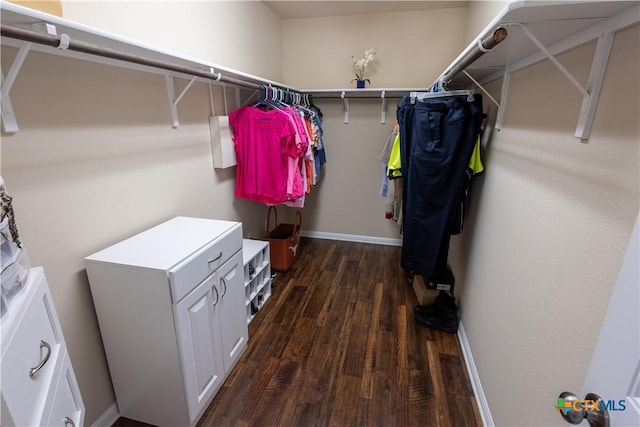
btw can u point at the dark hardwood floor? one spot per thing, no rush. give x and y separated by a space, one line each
337 345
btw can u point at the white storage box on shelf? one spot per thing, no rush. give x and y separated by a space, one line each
170 306
14 264
14 270
39 387
257 275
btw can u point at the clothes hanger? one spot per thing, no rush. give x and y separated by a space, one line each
266 102
438 90
281 98
428 95
297 101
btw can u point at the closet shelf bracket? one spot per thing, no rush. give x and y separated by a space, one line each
591 93
346 107
9 122
594 84
173 100
503 97
506 79
486 92
238 96
383 116
550 56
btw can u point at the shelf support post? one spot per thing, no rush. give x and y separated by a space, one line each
596 76
383 117
173 100
9 122
503 97
346 107
173 107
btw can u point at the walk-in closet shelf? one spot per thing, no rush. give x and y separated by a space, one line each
541 30
558 25
345 94
536 31
31 30
257 275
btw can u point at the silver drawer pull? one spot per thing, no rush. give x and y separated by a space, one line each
224 282
68 421
33 371
217 295
216 258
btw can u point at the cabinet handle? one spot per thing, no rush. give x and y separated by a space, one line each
224 282
216 258
33 371
68 421
217 295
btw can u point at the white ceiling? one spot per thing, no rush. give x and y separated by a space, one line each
316 9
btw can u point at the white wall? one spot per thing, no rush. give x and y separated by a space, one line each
96 161
236 34
479 14
550 223
411 53
413 48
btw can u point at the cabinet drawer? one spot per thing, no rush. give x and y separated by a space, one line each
65 408
30 358
188 274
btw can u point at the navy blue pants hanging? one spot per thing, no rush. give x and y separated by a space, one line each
437 136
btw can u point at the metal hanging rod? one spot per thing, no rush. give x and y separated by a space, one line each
64 42
29 37
482 47
375 93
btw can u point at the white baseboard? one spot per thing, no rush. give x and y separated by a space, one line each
352 238
109 417
481 399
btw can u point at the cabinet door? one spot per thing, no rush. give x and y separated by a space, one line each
31 352
233 321
199 344
66 409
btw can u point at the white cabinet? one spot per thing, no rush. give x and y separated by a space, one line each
39 387
235 332
200 343
211 331
170 305
257 275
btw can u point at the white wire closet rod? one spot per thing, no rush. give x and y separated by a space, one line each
62 42
361 93
29 30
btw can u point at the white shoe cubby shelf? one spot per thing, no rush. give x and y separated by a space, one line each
257 275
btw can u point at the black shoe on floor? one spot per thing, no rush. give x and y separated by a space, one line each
442 300
442 317
447 323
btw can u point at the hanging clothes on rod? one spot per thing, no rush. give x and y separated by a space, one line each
438 133
279 148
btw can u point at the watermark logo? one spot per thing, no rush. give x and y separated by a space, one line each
564 405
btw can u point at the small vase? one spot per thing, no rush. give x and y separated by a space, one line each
360 84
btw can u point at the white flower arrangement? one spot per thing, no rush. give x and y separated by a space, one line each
360 65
